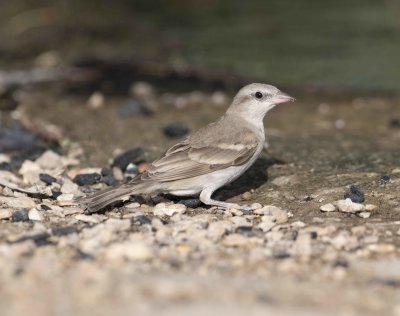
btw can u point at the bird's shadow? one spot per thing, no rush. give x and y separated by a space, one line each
253 178
256 176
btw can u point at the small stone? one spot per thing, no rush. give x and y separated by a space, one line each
117 225
218 229
5 213
18 202
30 172
134 107
162 209
176 130
239 221
246 196
278 215
142 89
137 250
46 178
96 100
371 207
364 214
359 230
69 187
91 219
266 224
134 155
192 203
383 180
235 240
256 206
87 179
35 215
20 216
347 206
394 123
328 208
355 195
285 180
49 160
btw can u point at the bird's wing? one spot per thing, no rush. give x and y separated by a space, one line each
200 154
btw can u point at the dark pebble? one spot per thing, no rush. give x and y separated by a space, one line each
385 281
308 198
87 178
20 216
106 171
133 107
62 231
56 194
314 235
245 230
45 207
5 166
141 220
192 203
384 180
394 123
176 129
109 180
46 178
355 195
134 155
341 262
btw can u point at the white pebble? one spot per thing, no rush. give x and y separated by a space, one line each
35 215
348 206
328 208
364 214
162 209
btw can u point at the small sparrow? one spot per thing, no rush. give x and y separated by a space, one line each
208 159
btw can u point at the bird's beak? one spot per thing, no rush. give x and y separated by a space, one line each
282 97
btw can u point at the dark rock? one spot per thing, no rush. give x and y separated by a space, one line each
192 203
17 138
245 230
20 216
355 195
87 178
308 198
341 262
384 180
133 107
314 235
106 171
46 178
45 207
394 123
62 231
109 180
141 220
176 129
56 194
134 155
385 281
5 166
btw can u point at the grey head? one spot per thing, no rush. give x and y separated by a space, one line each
255 100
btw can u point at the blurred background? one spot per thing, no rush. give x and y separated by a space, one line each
346 44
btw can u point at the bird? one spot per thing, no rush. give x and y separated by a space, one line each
208 159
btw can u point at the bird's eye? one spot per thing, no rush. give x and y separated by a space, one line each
258 95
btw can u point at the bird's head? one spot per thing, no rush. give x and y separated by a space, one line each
256 99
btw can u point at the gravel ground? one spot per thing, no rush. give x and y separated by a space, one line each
323 235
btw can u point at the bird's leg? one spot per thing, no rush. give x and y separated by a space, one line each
205 197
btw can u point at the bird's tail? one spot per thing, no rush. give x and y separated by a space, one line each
103 198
